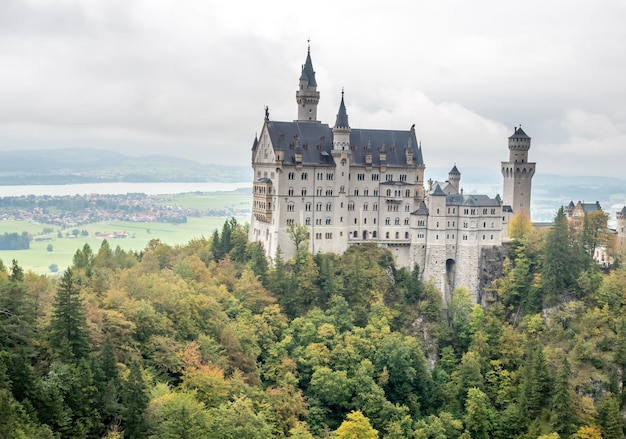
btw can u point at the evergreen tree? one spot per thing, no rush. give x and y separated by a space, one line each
135 399
563 410
478 414
556 269
68 334
611 419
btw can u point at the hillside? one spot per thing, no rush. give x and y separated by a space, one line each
65 166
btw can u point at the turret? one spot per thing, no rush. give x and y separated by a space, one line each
454 178
307 95
341 130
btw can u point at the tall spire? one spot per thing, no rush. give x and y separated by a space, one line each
307 95
342 116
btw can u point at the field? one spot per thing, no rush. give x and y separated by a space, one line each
38 258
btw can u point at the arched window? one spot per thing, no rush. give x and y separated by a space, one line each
387 221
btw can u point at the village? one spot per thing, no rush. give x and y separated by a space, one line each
75 210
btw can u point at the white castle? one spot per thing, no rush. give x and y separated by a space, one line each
351 186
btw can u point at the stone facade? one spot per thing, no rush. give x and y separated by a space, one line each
349 186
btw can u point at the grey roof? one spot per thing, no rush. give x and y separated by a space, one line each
317 138
519 134
438 192
571 204
454 171
395 183
308 74
421 209
507 208
471 200
342 116
255 143
591 207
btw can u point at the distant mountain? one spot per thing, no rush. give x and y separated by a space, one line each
83 165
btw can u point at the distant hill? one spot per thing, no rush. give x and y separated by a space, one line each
84 165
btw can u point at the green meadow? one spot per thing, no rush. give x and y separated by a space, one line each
38 258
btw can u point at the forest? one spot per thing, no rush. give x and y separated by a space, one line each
210 340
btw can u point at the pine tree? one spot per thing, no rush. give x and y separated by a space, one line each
68 334
556 270
610 417
564 414
135 399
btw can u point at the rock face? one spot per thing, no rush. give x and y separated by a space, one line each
490 269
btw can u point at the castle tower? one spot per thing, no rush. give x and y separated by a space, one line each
518 173
621 223
307 95
454 177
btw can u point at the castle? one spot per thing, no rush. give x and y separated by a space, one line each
350 186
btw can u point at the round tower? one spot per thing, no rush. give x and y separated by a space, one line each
341 130
307 95
621 223
518 173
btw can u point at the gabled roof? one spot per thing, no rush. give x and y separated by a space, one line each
471 200
317 138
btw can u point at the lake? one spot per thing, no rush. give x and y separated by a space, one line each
120 188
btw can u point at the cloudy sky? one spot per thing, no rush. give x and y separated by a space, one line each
191 78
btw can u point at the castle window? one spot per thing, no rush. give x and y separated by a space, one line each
437 211
407 207
387 235
420 223
318 221
473 211
365 206
318 236
291 175
388 192
493 211
307 207
406 235
290 207
397 221
327 221
375 208
484 224
407 193
364 220
290 221
304 176
319 191
374 234
329 176
304 192
406 221
356 192
366 192
374 220
307 221
355 234
342 189
290 192
364 234
402 177
329 192
484 237
318 207
397 235
320 175
375 192
329 207
355 220
465 224
350 206
492 237
484 211
360 177
389 177
329 236
387 221
375 177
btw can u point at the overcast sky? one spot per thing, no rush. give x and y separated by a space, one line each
191 78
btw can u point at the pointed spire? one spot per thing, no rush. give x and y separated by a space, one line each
342 116
308 74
